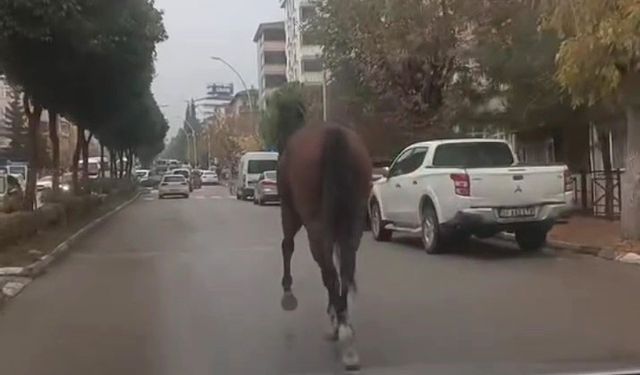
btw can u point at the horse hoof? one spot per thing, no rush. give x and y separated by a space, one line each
289 302
351 360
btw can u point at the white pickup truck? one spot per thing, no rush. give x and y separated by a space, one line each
452 189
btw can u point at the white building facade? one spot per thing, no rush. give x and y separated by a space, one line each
304 56
270 39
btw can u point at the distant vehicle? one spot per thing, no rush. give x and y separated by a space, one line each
251 165
463 187
46 183
172 185
267 188
186 173
210 178
142 174
11 194
93 166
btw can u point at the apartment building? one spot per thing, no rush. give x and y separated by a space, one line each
304 55
270 39
5 98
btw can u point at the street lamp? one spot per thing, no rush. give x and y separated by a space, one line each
244 84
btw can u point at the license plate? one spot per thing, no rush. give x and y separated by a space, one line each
516 212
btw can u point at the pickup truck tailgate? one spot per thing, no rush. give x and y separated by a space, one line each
516 186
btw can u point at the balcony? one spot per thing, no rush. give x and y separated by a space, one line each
274 69
274 46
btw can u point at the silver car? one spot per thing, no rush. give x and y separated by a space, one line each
266 188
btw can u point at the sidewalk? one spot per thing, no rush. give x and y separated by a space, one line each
593 232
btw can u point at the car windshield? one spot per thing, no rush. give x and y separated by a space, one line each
141 173
173 179
46 179
260 166
272 175
473 155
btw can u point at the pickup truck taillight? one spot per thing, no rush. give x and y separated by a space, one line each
568 181
461 184
269 183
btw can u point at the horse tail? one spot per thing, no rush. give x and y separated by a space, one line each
340 202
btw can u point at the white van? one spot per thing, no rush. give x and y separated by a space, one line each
252 164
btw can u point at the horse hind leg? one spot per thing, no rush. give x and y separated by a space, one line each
348 248
291 224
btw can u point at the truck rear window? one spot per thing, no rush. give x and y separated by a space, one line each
473 155
260 166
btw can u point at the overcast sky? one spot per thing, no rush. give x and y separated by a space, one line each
197 30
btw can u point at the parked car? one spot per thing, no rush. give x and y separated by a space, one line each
142 174
210 178
46 183
186 173
463 187
172 185
251 165
266 188
11 194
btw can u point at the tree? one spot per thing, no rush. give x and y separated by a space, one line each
80 58
285 113
226 147
15 124
405 53
600 61
178 147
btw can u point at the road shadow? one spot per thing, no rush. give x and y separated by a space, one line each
491 249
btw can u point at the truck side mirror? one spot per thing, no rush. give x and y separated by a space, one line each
385 172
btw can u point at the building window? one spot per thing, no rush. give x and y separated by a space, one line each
272 81
312 65
309 38
275 58
306 13
274 36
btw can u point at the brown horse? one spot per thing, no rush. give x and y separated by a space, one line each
324 179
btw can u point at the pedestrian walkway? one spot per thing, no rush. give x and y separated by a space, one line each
593 232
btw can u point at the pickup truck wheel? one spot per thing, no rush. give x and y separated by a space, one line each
430 231
531 239
377 227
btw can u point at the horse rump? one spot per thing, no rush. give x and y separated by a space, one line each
343 203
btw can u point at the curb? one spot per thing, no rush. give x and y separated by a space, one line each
600 252
14 279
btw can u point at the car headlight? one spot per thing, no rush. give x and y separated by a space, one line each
65 187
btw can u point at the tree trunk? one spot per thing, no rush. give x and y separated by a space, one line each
605 149
55 148
76 161
85 162
33 116
130 163
102 171
121 169
112 163
631 178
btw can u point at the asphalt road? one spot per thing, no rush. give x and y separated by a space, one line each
192 287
